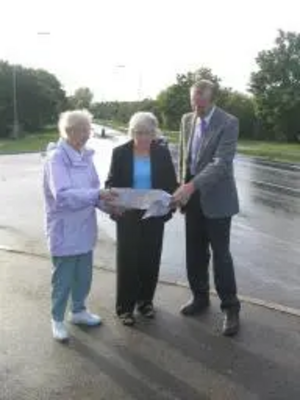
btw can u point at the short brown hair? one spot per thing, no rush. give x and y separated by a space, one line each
203 84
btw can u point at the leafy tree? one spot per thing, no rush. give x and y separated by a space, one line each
6 100
174 101
40 98
82 98
242 106
276 87
122 111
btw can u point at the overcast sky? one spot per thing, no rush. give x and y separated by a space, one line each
90 40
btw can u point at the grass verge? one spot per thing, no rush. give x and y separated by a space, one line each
118 126
28 144
272 151
284 152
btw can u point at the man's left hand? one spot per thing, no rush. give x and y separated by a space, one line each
183 194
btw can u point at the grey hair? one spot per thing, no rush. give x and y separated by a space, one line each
70 120
204 84
143 122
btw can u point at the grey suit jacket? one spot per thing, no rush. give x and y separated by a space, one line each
214 173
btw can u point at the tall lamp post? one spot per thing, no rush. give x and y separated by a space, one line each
16 122
16 126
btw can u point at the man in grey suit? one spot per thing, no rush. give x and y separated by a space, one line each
208 197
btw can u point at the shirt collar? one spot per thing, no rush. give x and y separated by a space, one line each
208 117
76 157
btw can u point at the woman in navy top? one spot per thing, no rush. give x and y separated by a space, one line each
142 163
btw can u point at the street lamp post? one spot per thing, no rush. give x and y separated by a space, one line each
16 126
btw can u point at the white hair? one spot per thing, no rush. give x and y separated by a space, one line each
143 122
69 121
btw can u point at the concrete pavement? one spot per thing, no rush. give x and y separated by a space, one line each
169 358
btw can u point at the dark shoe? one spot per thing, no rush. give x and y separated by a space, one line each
231 323
147 311
127 319
195 307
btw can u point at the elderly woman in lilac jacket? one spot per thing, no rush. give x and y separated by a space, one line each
72 194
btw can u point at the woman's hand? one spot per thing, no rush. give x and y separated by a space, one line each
116 212
109 196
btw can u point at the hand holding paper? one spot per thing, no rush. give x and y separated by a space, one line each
156 203
183 194
108 196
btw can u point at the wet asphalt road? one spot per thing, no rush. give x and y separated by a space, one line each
265 237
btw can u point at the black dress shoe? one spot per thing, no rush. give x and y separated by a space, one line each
147 310
195 307
231 323
127 319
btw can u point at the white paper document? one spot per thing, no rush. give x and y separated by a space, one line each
156 203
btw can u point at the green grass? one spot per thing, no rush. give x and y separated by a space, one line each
118 126
29 143
289 152
173 136
284 152
267 150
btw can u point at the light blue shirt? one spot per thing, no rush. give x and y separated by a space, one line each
142 173
198 137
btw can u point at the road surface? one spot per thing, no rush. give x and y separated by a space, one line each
265 239
170 358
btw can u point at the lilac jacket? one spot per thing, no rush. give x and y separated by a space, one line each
71 191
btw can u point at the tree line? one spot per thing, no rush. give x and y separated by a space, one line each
173 102
270 111
39 98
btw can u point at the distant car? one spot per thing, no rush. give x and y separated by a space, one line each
98 131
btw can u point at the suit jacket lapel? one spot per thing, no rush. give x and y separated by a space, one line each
190 133
153 163
128 165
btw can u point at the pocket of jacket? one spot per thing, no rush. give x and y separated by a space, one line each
56 233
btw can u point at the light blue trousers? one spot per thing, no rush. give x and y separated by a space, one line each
71 275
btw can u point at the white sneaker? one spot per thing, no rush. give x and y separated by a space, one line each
59 331
85 318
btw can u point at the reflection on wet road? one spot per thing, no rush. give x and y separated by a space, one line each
265 239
